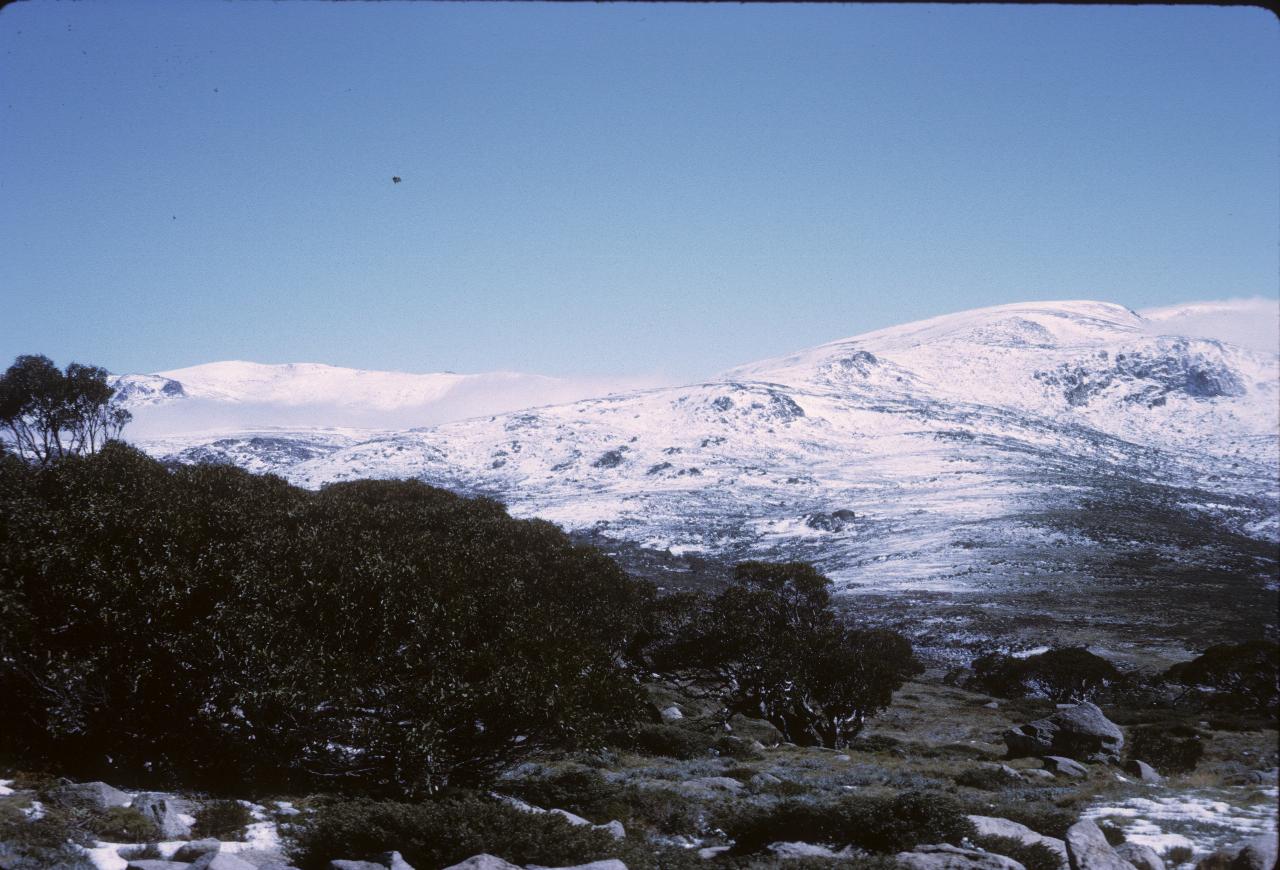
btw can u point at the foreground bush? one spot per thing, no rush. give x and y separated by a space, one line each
885 825
591 796
209 627
438 834
1244 675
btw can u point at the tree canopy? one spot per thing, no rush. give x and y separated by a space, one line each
49 413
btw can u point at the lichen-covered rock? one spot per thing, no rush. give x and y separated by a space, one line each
483 862
1144 772
1065 766
990 826
944 857
193 850
164 813
93 794
1080 732
223 861
1140 856
1088 849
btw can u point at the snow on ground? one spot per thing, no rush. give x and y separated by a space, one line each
1203 819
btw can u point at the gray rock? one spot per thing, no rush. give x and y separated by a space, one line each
718 783
764 780
754 729
355 865
277 865
709 852
164 813
94 794
990 826
1065 766
1144 771
671 714
944 857
614 829
258 857
1140 856
1080 731
193 850
804 850
611 864
1256 854
1088 849
483 862
222 861
1038 773
393 861
155 864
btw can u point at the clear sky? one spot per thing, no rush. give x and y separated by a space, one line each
610 189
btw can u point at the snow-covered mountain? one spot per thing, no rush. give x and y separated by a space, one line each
235 395
1041 445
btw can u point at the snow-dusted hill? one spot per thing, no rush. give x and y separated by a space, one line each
1035 445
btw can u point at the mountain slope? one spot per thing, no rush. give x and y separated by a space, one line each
1008 450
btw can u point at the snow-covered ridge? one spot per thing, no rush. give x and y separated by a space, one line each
960 450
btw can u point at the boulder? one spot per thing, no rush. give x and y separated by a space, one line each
990 826
193 850
1256 854
355 865
944 857
754 729
1140 856
805 850
1065 766
1079 731
94 794
164 813
763 780
1144 772
483 862
613 829
1038 773
222 861
671 714
1088 849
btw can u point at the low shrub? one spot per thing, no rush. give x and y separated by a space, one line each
591 796
882 825
1032 856
1113 832
33 844
445 832
1176 855
986 779
875 743
673 741
737 749
222 820
124 825
1169 749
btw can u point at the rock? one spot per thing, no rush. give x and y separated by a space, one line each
164 813
155 864
709 852
1088 849
717 783
754 729
992 705
392 861
1065 766
193 850
355 865
610 864
572 818
483 862
804 850
613 829
223 861
944 857
671 714
1144 772
94 794
1038 773
279 865
1079 731
990 826
764 780
1140 856
1256 854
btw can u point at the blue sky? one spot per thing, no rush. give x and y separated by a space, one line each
612 189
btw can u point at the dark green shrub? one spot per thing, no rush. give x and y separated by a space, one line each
1245 673
1113 832
1061 675
35 844
222 820
1033 856
124 825
438 834
1176 855
377 636
1168 748
875 743
673 741
883 825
